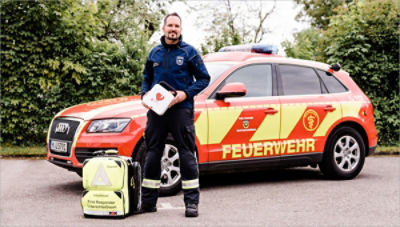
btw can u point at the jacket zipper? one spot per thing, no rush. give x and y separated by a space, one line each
166 70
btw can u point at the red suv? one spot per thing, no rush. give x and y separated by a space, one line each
259 111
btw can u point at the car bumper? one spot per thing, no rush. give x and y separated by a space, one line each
66 164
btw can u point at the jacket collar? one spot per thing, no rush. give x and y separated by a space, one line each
171 46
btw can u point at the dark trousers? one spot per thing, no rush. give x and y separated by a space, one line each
180 123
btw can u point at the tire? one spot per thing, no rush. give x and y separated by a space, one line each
170 167
344 154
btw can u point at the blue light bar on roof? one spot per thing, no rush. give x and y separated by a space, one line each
255 48
266 49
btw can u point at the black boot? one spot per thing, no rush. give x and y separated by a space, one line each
146 208
191 210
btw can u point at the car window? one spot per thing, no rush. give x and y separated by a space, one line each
256 78
216 69
331 82
298 80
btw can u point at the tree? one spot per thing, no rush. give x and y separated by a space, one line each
364 38
40 50
56 54
230 26
320 11
304 45
122 18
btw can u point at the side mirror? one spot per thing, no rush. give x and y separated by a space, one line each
235 89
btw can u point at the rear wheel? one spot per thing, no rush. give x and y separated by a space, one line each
170 167
344 154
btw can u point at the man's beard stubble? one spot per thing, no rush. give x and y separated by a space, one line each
173 38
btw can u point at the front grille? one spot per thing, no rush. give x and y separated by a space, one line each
63 130
82 154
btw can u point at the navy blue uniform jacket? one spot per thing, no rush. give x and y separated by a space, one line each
180 66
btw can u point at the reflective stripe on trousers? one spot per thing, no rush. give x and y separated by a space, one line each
190 184
148 183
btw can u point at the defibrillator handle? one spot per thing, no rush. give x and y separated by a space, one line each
168 87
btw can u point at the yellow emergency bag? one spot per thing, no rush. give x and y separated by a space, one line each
112 186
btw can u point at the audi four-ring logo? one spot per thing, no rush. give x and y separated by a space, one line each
62 128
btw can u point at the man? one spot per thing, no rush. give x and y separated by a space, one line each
181 66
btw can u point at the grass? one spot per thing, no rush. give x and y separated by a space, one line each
40 151
22 151
389 150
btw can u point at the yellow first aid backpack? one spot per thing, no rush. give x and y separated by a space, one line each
112 186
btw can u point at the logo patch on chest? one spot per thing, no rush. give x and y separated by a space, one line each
179 60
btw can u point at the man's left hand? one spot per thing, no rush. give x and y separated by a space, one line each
180 97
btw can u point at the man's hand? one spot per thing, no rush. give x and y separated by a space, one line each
146 106
180 97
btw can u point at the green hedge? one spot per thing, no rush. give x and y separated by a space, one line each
52 58
364 38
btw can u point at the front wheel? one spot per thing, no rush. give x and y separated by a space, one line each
344 154
170 167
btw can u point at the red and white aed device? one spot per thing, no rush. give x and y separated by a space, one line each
159 97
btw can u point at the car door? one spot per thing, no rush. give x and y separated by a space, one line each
308 111
239 126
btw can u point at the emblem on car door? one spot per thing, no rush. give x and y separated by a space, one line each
246 124
310 120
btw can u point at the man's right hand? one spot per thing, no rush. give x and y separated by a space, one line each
146 106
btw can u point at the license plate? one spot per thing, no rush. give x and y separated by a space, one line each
58 146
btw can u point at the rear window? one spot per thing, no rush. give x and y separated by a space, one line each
298 80
331 82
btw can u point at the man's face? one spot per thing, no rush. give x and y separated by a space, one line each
172 28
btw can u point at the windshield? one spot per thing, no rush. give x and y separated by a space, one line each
216 69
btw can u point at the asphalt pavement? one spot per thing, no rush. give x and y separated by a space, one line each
37 193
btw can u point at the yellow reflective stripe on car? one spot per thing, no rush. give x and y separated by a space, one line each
269 128
213 125
148 183
220 122
190 184
329 120
291 114
201 128
351 109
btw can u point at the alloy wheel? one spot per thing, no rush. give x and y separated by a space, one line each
347 153
170 166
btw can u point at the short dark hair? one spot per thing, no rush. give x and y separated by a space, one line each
172 14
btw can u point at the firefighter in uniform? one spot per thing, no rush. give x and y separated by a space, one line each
181 66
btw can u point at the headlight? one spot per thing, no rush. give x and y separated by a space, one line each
108 125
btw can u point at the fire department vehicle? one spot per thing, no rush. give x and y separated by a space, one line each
259 111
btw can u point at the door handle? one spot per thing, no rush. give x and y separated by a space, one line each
329 108
270 110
